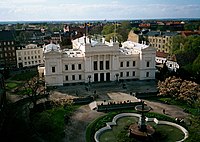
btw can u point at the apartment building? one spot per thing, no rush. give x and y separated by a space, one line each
7 50
30 55
160 40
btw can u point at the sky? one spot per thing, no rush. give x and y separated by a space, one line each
36 10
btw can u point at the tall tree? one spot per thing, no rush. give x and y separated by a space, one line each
33 88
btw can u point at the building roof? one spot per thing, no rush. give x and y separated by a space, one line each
158 33
6 35
161 54
189 33
129 47
51 47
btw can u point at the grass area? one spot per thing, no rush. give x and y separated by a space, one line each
101 122
11 85
50 123
112 135
166 133
24 76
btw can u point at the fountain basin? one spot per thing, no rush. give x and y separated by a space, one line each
121 115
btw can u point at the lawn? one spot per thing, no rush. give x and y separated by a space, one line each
50 123
112 135
26 75
11 85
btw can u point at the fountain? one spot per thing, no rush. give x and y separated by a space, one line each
141 131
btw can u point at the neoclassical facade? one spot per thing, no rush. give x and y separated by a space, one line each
92 61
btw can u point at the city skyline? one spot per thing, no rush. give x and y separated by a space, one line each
34 10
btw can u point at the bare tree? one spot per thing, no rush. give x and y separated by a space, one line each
34 88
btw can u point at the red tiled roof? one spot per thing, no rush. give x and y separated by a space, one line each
161 54
188 33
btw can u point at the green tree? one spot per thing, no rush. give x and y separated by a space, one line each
113 36
107 29
124 29
192 26
194 133
187 50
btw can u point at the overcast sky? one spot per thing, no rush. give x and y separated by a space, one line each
21 10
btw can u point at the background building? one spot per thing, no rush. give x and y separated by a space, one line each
160 40
30 55
7 50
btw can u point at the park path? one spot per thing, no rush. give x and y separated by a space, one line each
76 129
170 110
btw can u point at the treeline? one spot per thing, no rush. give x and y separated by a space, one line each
187 51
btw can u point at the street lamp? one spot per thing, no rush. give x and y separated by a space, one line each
117 77
89 77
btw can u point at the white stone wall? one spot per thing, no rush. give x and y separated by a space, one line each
100 61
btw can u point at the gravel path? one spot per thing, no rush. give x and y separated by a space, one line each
76 128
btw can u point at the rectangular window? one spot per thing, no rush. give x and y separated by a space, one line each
148 63
133 63
127 74
79 66
147 74
80 77
73 77
95 65
121 74
133 73
66 78
73 67
121 64
25 63
53 69
101 65
66 67
107 65
127 64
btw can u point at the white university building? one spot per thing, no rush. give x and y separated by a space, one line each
92 61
